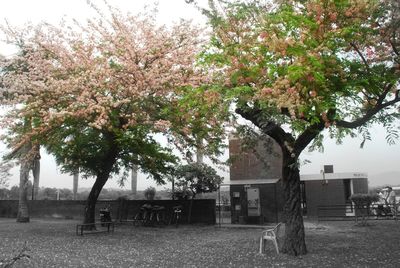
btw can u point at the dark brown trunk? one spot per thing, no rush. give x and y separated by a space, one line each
89 216
294 242
101 179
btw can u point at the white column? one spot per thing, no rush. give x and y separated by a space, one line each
75 184
134 176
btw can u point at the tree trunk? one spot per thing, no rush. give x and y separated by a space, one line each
36 176
92 199
101 179
23 213
294 242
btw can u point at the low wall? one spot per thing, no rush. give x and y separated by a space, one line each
203 210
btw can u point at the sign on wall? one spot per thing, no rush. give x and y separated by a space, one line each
253 202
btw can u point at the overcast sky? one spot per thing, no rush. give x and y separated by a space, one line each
376 157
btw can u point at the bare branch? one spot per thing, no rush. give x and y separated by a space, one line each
368 115
361 55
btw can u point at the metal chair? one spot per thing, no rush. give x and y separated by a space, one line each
271 235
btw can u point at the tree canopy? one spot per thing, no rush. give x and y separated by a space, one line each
311 64
4 174
99 95
119 75
295 68
193 179
196 178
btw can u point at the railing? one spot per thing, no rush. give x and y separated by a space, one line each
223 213
349 212
335 212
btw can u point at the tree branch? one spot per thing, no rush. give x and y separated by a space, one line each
394 48
268 127
361 55
306 137
371 112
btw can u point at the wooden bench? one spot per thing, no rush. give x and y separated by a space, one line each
80 228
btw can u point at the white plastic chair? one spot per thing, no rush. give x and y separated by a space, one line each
271 235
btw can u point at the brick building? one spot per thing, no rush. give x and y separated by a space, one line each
256 190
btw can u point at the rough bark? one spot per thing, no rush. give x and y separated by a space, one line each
294 242
90 207
101 179
23 213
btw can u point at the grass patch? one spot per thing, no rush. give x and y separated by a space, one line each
53 243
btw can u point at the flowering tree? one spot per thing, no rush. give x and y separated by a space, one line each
28 153
297 68
99 93
4 174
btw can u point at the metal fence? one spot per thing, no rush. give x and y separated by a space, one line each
349 212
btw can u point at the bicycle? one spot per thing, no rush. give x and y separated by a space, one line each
176 215
150 216
143 216
157 216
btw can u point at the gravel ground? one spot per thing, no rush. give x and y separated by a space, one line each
53 243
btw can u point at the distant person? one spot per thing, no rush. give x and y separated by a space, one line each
380 204
391 200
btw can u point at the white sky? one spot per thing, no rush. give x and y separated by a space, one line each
376 157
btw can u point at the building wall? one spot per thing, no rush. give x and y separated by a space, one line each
271 202
360 186
238 204
246 165
320 194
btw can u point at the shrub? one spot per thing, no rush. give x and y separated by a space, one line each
150 193
363 203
